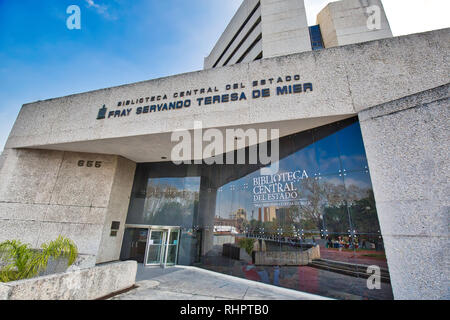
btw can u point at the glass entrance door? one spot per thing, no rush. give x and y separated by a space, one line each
155 249
162 246
172 246
134 244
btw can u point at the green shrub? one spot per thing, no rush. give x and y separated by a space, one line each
19 261
247 244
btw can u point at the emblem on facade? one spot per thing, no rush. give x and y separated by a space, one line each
102 113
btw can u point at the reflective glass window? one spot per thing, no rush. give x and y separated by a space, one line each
310 226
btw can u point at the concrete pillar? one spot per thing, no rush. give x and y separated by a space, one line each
206 214
284 28
351 21
44 194
407 144
118 204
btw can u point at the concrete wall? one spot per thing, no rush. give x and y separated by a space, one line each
2 159
60 264
407 144
231 37
345 22
44 194
117 210
85 284
284 28
243 51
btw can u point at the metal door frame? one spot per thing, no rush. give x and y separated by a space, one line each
165 242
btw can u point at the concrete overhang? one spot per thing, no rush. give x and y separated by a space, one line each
157 147
345 80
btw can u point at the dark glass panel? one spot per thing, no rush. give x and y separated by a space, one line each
237 221
301 154
134 244
169 202
188 247
361 203
351 147
334 205
309 208
327 150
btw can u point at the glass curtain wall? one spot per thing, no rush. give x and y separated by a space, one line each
312 226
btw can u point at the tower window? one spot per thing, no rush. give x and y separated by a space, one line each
316 37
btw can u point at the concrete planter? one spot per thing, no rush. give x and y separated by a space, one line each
83 284
59 265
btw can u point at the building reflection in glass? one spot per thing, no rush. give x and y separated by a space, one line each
312 227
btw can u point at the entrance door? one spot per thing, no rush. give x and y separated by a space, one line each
162 246
173 237
134 244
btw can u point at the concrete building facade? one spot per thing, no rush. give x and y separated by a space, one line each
354 21
91 166
271 28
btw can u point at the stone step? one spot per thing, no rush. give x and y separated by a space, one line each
354 270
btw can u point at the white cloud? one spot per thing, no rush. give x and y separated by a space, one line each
101 9
91 3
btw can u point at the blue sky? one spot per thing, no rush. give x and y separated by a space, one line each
124 41
121 41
